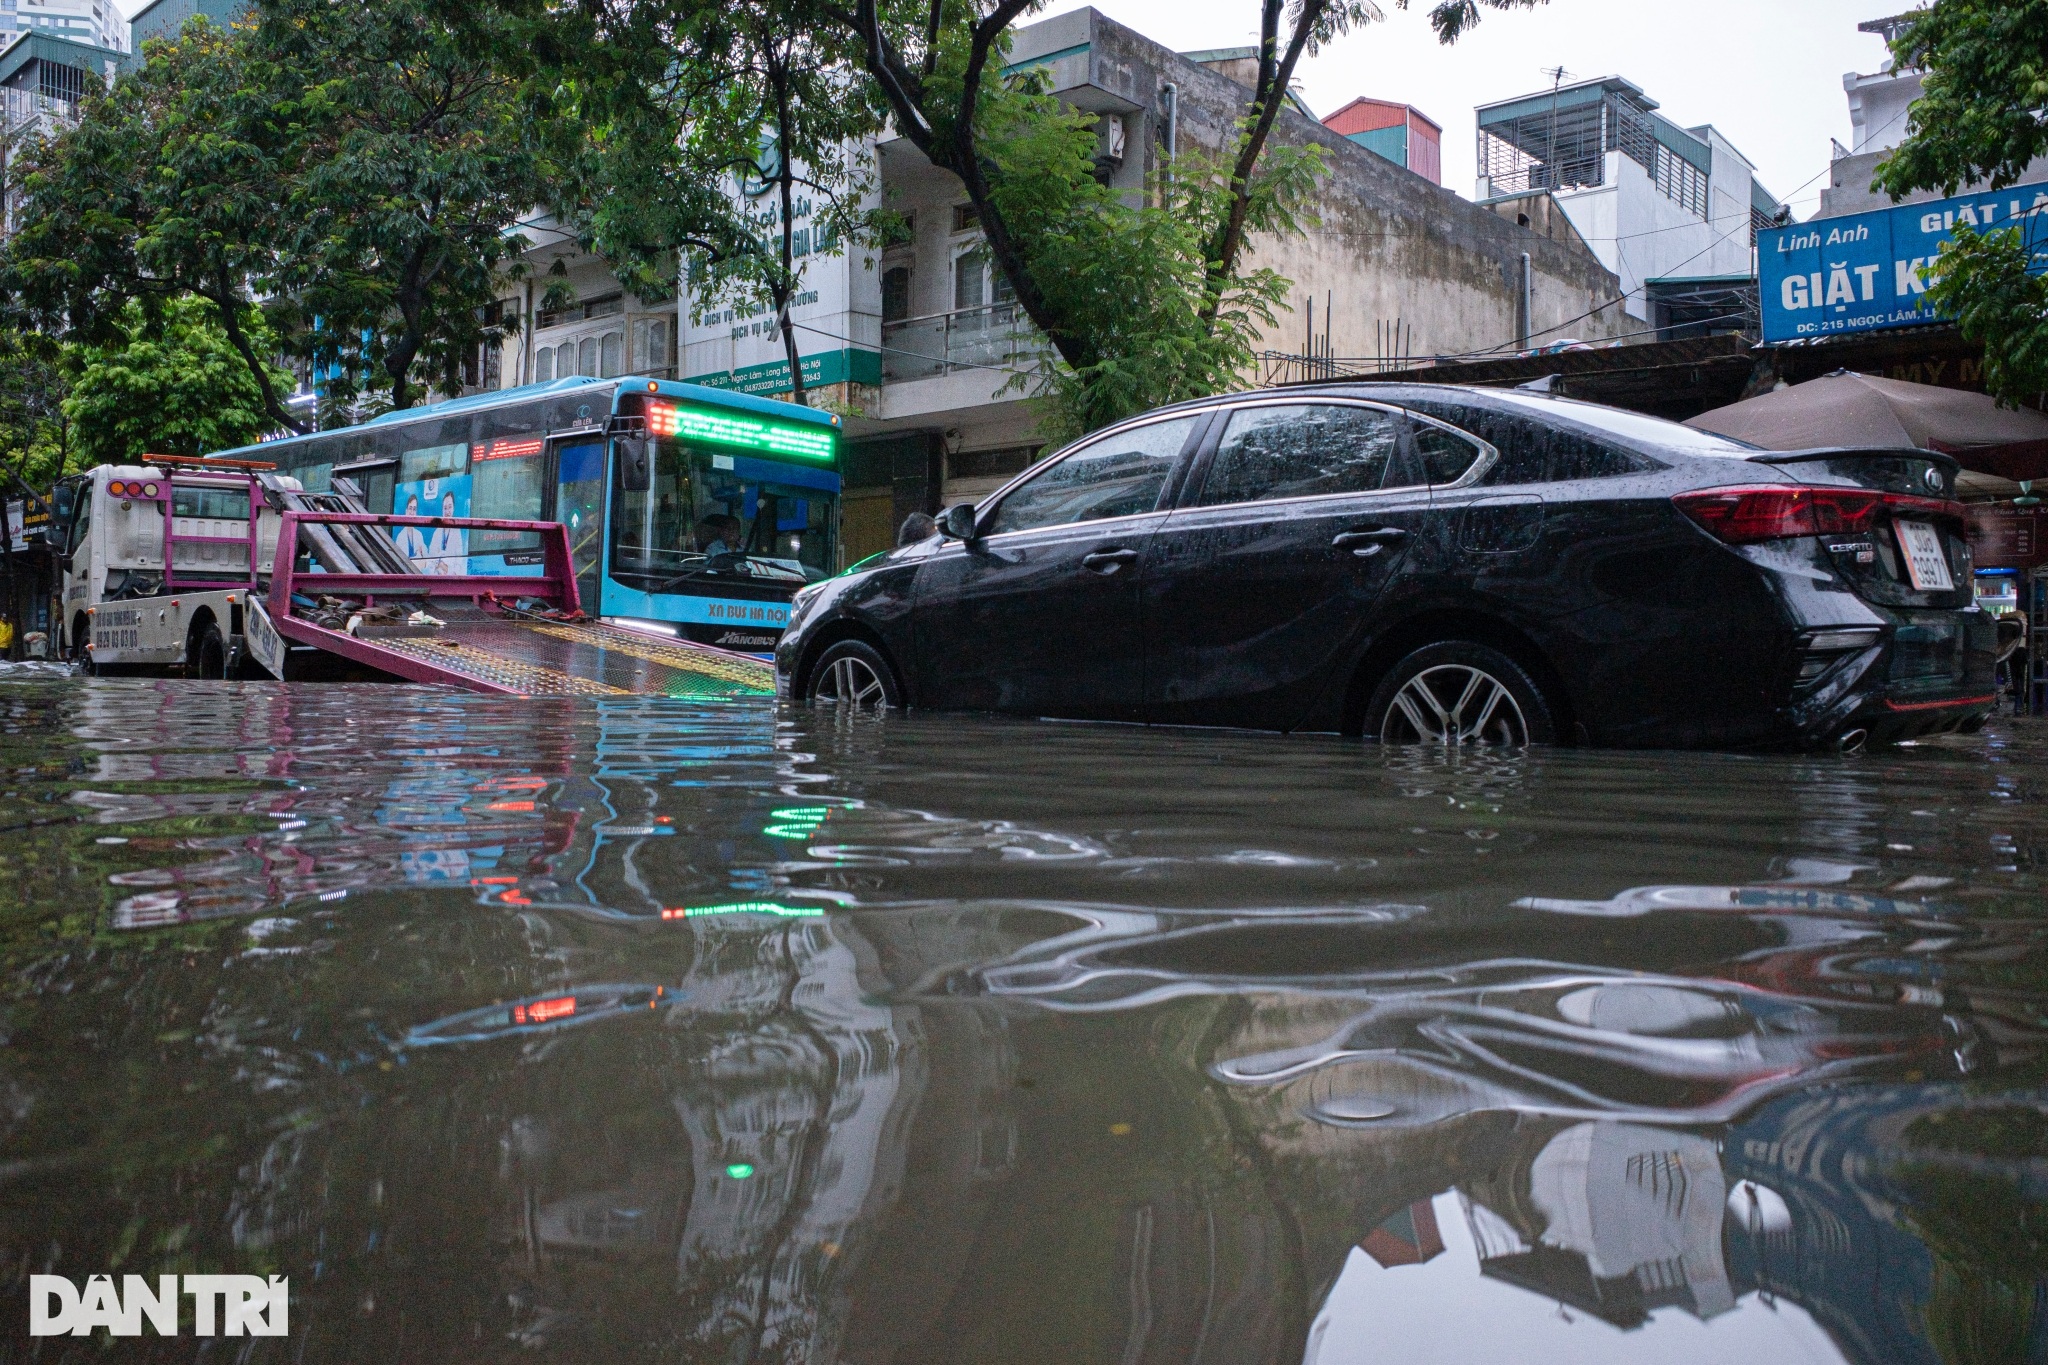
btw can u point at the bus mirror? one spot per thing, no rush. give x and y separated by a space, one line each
957 521
636 465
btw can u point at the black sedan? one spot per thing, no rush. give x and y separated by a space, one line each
1435 564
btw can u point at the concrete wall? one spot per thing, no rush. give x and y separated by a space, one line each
1390 244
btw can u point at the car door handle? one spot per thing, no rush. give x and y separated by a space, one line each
1364 543
1107 561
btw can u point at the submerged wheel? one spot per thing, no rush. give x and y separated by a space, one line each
854 673
1459 692
209 653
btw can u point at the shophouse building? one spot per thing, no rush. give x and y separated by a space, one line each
1673 211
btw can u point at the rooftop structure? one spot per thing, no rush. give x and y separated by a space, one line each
164 18
1653 200
1401 133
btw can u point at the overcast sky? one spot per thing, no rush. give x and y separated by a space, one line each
1767 73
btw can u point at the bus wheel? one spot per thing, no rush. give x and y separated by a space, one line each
210 653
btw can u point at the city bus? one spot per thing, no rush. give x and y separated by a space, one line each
691 510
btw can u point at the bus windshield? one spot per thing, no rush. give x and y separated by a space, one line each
712 517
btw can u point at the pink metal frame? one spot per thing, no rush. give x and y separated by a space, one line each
556 583
172 539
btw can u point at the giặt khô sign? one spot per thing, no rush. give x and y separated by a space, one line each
1864 271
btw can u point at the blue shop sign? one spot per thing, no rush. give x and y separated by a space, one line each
1862 270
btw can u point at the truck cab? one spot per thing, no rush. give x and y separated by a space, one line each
158 561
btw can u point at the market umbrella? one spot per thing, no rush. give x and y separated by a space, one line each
1845 409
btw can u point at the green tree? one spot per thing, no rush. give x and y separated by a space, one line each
1985 65
794 124
175 385
166 189
409 160
354 169
36 440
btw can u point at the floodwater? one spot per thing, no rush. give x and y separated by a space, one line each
649 1030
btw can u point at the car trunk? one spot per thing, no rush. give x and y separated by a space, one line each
1920 520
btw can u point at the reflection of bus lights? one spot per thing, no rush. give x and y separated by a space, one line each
739 1170
796 822
742 908
541 1011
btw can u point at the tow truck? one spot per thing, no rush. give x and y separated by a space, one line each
214 568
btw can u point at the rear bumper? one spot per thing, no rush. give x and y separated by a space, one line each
1902 688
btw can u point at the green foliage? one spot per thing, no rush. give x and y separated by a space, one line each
174 386
35 435
166 189
1978 119
1132 283
355 169
1985 65
1981 281
407 161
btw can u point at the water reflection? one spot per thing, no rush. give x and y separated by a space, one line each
641 1029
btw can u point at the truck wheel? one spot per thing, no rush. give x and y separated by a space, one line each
210 653
81 635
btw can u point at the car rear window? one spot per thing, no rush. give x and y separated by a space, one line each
1633 427
1535 451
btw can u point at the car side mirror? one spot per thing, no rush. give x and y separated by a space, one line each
957 521
636 465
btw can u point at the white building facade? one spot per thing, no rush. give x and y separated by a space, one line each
1660 205
96 23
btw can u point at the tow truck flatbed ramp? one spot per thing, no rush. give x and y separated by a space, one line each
518 635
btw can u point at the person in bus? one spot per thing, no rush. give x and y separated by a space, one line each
720 534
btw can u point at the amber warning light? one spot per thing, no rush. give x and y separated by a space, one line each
740 430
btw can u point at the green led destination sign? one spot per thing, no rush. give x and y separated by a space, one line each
741 430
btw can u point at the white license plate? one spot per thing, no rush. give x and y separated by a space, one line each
1926 564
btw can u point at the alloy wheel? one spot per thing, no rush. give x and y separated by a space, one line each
1454 704
851 681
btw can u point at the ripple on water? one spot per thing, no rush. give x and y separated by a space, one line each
651 1027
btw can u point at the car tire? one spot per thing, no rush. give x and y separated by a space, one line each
853 673
1459 692
209 653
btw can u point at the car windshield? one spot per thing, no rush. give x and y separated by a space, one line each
1653 432
714 517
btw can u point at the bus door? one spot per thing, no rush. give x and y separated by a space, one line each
578 462
377 479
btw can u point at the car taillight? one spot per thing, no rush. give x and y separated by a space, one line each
1744 516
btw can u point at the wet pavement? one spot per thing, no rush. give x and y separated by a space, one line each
641 1029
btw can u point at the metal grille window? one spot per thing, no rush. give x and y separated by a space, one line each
1679 181
1561 142
60 82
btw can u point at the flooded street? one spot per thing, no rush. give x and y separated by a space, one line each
661 1030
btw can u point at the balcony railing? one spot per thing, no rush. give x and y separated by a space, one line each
993 337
